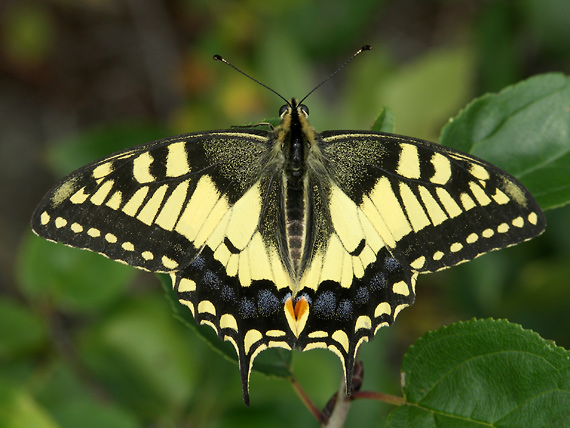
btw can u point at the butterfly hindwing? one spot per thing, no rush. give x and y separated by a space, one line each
342 317
251 317
238 283
352 283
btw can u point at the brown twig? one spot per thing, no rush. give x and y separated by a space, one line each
306 400
379 396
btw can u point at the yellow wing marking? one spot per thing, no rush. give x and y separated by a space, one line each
390 210
133 205
205 197
409 162
148 213
78 197
244 218
436 214
478 171
312 274
102 170
344 215
141 168
228 321
251 337
467 202
115 200
231 232
449 204
173 206
205 306
479 194
332 262
442 168
415 212
101 194
518 222
186 284
177 160
351 248
341 337
60 222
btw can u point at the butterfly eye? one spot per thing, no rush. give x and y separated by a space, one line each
283 110
304 109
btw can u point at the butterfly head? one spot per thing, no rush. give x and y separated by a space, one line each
294 106
294 117
295 122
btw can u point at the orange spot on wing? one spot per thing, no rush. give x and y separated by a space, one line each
296 315
301 307
289 308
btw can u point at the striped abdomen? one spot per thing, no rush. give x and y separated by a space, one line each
295 219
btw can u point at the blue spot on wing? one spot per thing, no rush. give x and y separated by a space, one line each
344 309
325 304
391 264
247 308
211 280
267 303
362 296
227 293
378 281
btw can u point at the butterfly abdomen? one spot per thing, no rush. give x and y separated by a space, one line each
295 219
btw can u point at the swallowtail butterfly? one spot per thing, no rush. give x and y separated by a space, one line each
289 237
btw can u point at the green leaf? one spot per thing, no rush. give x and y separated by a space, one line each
271 362
384 122
20 329
264 124
525 130
484 373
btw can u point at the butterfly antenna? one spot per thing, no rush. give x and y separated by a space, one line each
358 52
225 61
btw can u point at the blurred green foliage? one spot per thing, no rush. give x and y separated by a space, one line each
88 342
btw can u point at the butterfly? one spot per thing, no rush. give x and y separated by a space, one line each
289 237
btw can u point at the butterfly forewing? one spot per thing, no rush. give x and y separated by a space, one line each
152 205
433 207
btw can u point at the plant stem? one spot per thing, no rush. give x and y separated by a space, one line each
340 410
379 396
306 400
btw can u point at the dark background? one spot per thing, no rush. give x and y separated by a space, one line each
84 341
